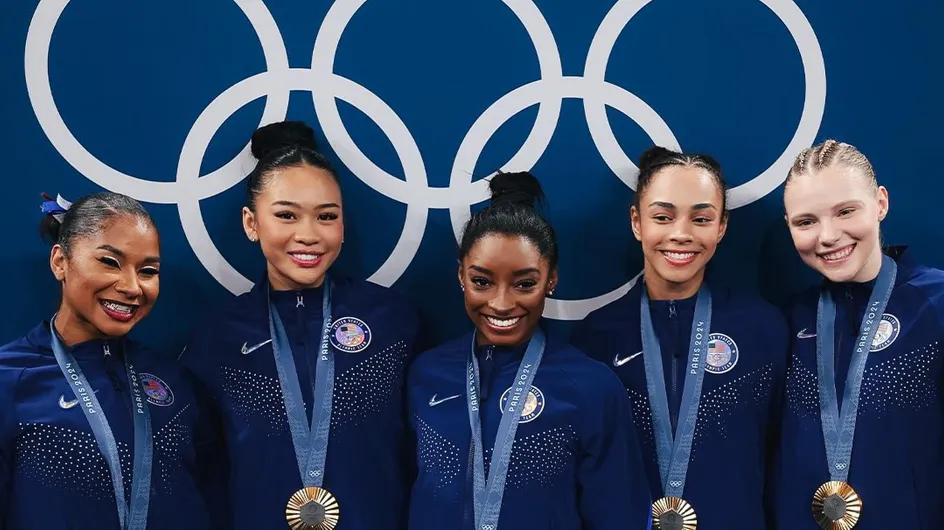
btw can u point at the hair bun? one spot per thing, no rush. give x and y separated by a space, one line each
519 189
280 135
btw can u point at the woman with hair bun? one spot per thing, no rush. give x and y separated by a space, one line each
704 365
97 430
515 429
863 430
306 370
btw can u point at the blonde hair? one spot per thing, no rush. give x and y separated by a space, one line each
829 154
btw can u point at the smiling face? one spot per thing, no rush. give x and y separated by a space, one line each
299 225
834 217
679 221
505 280
109 279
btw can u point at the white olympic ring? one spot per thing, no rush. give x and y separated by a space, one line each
327 87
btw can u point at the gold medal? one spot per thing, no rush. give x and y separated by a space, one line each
312 509
836 506
673 513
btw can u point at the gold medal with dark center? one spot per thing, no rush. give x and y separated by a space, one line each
312 509
836 506
673 513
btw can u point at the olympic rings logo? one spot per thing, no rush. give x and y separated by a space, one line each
327 88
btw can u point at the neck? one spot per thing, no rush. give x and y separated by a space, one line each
659 288
872 267
73 329
281 282
480 341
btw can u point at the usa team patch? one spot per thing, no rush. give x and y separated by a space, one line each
156 390
350 334
722 353
888 329
533 404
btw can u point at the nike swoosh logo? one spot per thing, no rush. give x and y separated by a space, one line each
802 334
620 362
66 405
433 401
250 349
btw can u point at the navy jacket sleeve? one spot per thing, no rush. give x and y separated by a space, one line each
613 492
8 432
411 326
780 343
212 459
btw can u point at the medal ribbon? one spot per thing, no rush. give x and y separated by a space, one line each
135 516
488 494
839 430
674 449
310 440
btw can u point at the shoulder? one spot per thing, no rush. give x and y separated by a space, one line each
589 378
20 355
614 313
751 310
457 348
929 283
27 351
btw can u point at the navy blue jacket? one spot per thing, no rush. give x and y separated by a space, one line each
736 428
898 454
574 465
367 468
52 473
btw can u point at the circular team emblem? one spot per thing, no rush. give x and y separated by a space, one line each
722 353
888 329
156 390
533 404
350 334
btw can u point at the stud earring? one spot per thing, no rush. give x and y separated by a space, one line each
252 238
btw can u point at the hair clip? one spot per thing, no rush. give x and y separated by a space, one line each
55 207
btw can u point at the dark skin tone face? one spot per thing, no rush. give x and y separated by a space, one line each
505 280
110 280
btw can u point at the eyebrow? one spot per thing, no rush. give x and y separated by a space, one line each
148 260
520 272
293 204
670 206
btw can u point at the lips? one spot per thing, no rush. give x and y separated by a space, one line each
679 257
306 259
502 324
118 311
837 256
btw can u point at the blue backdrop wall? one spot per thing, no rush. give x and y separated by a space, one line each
419 100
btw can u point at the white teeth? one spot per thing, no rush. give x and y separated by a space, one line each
680 256
503 323
840 254
305 257
121 308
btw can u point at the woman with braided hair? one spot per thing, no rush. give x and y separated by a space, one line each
863 437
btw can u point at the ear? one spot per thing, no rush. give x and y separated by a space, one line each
723 228
634 221
882 196
58 262
551 281
249 224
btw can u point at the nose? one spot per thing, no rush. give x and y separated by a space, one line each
503 303
829 234
307 234
681 232
128 284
